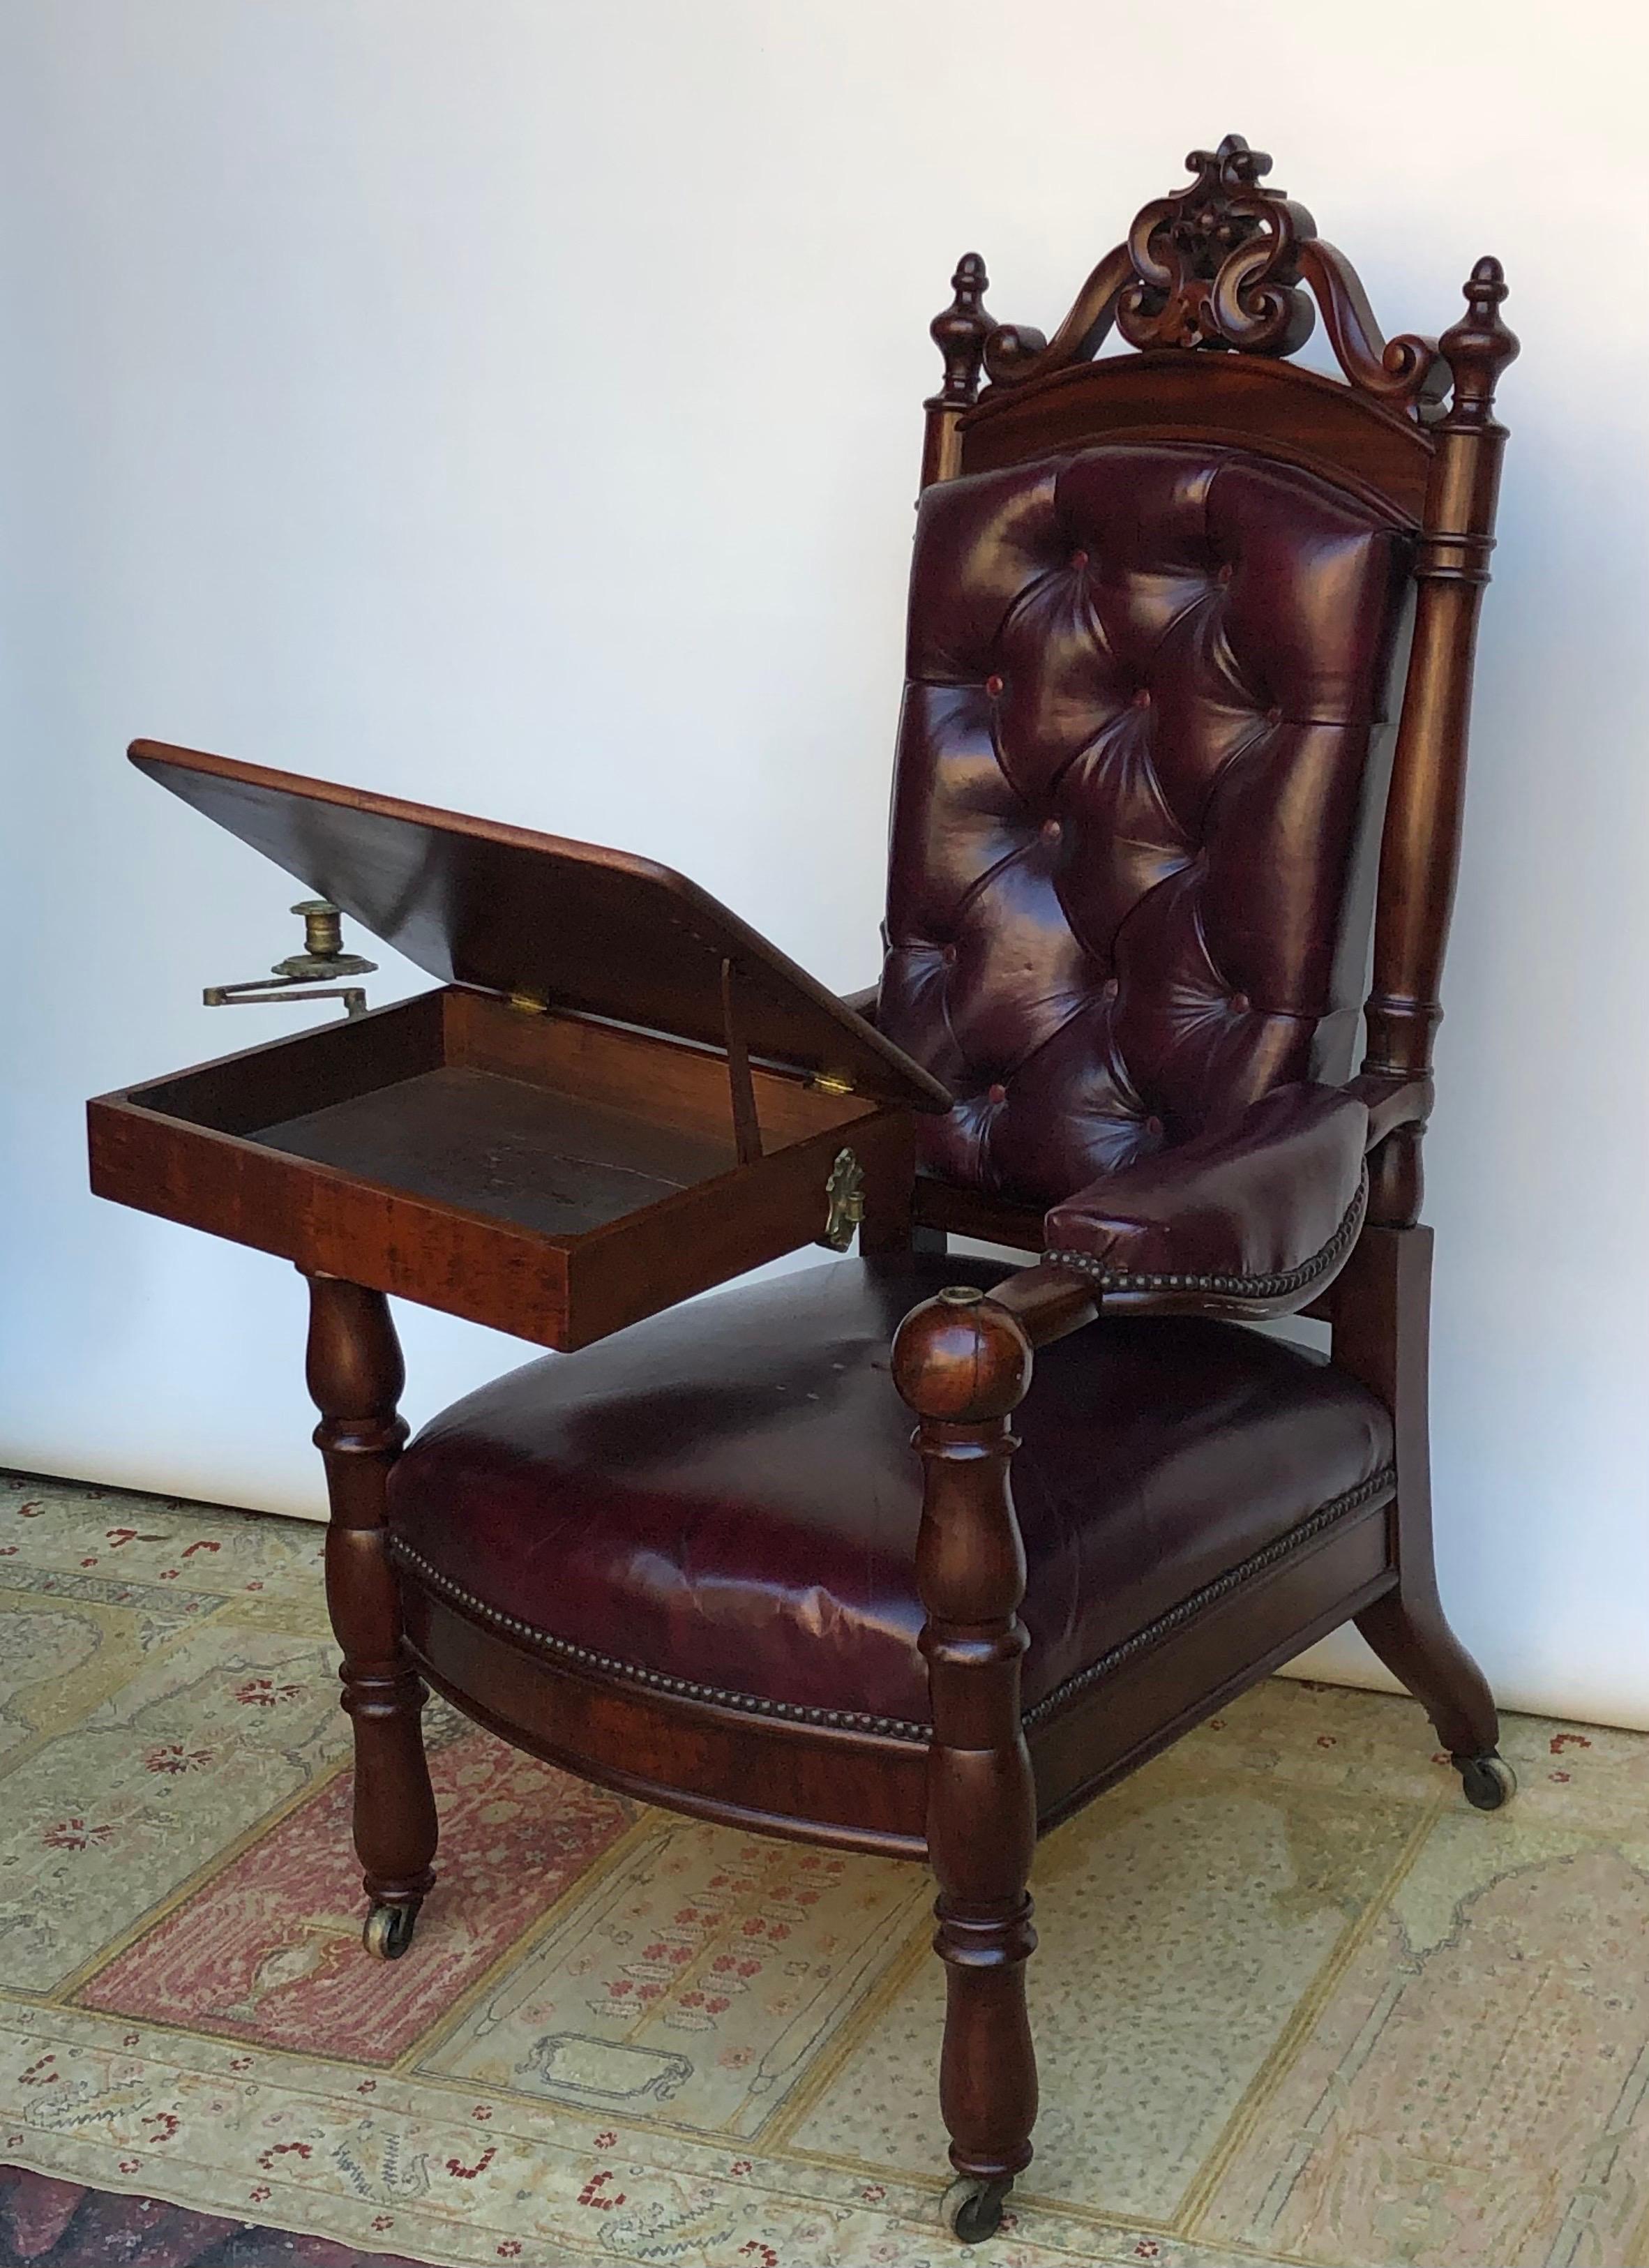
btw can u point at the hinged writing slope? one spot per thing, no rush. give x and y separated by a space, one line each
541 917
682 1105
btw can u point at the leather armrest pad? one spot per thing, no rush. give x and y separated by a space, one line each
1262 1196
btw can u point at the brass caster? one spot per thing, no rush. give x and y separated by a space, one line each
388 1931
1487 1780
971 2208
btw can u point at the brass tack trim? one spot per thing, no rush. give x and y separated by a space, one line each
894 1729
1383 1483
1280 1285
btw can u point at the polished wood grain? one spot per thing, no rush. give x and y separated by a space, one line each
959 332
963 1365
355 1376
1292 415
854 1790
547 1175
680 1083
519 914
1382 1334
1226 261
1420 843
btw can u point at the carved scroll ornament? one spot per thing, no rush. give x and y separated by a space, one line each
1229 265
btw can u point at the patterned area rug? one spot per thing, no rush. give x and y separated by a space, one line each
48 2224
1295 2001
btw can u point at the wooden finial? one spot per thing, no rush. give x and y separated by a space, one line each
1479 346
959 332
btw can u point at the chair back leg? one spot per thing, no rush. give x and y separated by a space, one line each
1382 1335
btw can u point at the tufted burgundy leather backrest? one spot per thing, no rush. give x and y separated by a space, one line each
1134 794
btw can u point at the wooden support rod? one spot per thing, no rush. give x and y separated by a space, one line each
746 1129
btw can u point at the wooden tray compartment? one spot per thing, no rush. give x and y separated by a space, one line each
552 1176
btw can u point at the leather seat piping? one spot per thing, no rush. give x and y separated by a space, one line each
892 1728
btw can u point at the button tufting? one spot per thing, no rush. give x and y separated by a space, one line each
1042 848
998 1094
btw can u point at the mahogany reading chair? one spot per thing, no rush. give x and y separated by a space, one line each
1144 788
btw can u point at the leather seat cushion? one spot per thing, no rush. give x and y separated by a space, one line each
727 1496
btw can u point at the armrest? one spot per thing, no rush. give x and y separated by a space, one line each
1264 1209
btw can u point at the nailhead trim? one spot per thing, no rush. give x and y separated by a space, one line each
1380 1484
1281 1285
751 1705
894 1728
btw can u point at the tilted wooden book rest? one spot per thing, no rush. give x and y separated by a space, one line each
1145 800
620 1095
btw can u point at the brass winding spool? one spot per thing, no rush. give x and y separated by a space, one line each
321 961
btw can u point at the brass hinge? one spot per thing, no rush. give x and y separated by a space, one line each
829 1082
529 1004
844 1202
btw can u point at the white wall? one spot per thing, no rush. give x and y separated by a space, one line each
514 403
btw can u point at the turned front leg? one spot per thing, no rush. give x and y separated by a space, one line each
355 1376
963 1364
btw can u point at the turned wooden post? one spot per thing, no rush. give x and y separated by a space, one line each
960 333
1419 853
963 1364
355 1376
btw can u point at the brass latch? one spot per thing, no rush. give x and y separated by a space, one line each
304 976
844 1202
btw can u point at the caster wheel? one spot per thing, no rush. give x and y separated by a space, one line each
972 2208
388 1931
1489 1780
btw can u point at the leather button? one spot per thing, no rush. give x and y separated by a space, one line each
1051 831
998 1094
1239 1004
1226 573
993 686
1142 699
949 956
1109 990
1154 1126
1273 716
1078 560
